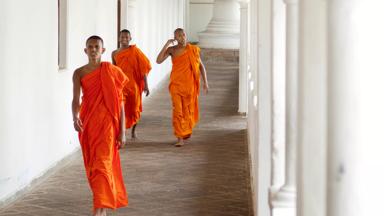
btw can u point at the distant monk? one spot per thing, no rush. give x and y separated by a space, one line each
100 126
136 66
185 83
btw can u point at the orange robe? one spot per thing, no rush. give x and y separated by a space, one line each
135 65
100 115
184 90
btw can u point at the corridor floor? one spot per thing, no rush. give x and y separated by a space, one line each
209 176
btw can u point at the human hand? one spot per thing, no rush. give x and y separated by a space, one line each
78 125
121 141
171 42
205 88
146 90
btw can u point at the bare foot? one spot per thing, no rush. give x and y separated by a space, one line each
180 142
134 139
100 212
126 135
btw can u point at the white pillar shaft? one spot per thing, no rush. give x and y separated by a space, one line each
278 83
131 16
264 106
224 27
344 109
243 55
286 196
128 16
292 94
355 121
312 108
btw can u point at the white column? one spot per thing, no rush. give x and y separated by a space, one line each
286 196
186 16
223 29
355 108
278 96
264 112
312 137
128 15
343 107
243 55
258 200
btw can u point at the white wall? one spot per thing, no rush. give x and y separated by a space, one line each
35 98
36 121
161 21
200 13
155 24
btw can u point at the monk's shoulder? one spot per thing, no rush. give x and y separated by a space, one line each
111 66
134 49
78 72
114 52
118 73
195 48
172 49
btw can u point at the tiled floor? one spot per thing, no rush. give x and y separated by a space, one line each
209 176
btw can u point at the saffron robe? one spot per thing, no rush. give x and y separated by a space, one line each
100 114
184 89
135 65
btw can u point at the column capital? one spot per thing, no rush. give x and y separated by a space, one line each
132 3
243 4
291 2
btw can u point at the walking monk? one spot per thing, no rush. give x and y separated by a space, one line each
100 123
136 66
185 83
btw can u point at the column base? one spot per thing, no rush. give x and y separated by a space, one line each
284 212
219 40
283 201
284 198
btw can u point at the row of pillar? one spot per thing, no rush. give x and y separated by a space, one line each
333 106
310 82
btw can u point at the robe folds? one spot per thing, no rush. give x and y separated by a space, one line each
184 89
135 65
100 115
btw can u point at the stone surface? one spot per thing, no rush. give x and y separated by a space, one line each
209 176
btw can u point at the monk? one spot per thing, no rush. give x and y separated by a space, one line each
184 84
136 66
100 123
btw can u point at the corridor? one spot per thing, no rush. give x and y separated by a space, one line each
208 176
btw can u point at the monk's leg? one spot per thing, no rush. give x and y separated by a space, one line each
180 142
133 133
100 212
177 118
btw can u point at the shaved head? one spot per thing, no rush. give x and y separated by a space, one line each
125 31
95 37
179 30
180 36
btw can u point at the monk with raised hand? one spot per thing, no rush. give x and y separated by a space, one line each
136 66
184 84
100 123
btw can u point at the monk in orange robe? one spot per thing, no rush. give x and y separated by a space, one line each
184 84
100 123
136 66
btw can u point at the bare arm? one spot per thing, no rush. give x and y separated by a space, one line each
113 57
165 52
76 101
204 76
146 89
122 138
